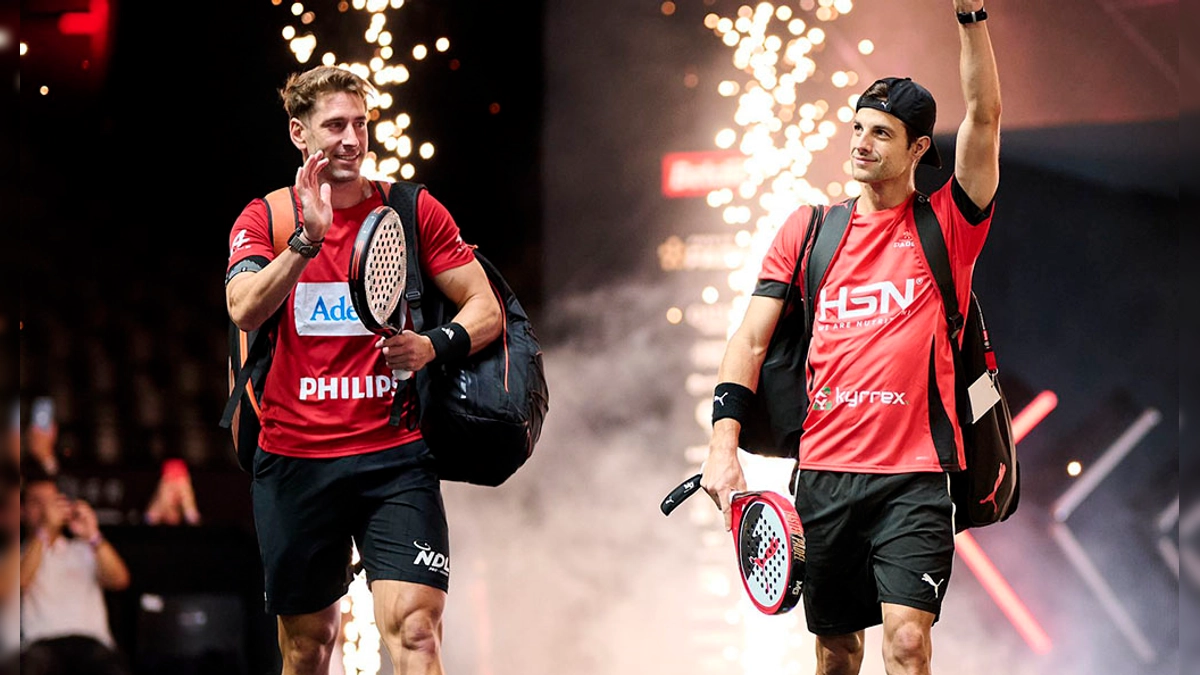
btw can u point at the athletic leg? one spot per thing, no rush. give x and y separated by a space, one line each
306 641
839 654
907 646
409 617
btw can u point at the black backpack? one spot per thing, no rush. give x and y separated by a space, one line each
482 416
988 491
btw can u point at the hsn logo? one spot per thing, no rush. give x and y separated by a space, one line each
867 301
325 309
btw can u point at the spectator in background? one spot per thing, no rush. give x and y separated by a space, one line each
65 567
174 501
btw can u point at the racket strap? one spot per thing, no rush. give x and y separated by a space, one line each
406 401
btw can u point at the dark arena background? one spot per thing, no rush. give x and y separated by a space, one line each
596 152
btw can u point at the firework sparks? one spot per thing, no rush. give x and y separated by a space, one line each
378 59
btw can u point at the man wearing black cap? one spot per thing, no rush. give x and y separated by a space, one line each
880 432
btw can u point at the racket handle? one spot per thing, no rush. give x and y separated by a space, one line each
684 490
402 375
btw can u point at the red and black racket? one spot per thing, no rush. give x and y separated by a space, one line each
378 274
769 541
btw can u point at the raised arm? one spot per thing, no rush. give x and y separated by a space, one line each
977 154
251 298
111 572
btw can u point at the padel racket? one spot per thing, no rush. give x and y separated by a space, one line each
769 541
378 273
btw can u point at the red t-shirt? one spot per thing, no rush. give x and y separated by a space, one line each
329 392
879 321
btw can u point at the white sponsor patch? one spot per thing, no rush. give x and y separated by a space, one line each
325 309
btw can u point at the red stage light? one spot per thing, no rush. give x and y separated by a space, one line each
93 22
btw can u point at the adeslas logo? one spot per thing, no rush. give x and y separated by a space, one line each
325 309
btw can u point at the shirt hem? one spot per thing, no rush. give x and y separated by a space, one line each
856 468
334 454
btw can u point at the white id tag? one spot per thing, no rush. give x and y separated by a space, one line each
983 396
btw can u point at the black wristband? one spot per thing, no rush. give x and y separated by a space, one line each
731 400
451 342
972 17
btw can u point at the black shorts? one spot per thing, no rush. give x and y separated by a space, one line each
308 511
872 539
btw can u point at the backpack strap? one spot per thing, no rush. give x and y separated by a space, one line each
283 215
250 369
402 197
929 231
933 243
382 188
830 233
816 217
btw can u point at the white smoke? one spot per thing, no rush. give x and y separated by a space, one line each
570 566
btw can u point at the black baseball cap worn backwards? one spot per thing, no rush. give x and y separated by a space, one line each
912 104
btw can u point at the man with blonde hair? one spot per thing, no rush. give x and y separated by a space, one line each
330 471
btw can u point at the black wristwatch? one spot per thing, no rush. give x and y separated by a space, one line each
298 243
972 17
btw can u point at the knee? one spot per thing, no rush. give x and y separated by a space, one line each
909 644
417 629
839 654
309 649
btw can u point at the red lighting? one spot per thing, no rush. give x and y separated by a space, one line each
1002 593
1032 414
93 22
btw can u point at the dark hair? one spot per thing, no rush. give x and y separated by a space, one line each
880 91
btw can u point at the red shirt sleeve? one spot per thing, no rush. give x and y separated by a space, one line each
442 246
251 235
964 226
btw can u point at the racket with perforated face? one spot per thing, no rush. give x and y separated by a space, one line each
378 274
768 539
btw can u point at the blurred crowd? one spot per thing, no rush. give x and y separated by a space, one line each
58 565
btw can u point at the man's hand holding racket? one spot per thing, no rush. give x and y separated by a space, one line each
768 537
314 196
377 276
407 351
722 472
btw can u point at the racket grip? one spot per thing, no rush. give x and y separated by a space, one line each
402 375
684 490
